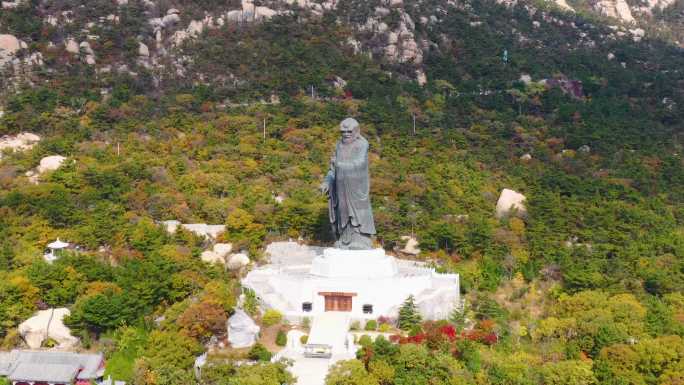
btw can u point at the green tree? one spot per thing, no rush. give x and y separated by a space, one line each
104 311
243 229
409 315
171 349
568 373
262 373
350 372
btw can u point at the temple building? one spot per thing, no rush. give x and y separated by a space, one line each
34 367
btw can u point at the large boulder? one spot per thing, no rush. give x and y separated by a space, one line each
47 324
204 230
71 46
238 261
199 229
217 254
243 332
50 163
510 200
411 247
9 45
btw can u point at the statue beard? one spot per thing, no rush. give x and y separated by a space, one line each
355 135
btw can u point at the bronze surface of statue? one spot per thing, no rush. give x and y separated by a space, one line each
347 185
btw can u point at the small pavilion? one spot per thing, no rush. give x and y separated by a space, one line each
53 248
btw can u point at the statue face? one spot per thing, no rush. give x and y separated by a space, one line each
349 128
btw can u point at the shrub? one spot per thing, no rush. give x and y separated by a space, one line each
271 317
371 325
365 340
259 353
384 328
49 343
306 322
281 338
251 303
304 339
356 325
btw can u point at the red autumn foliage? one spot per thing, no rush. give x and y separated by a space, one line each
435 334
449 331
490 338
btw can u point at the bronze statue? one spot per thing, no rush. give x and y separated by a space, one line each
347 185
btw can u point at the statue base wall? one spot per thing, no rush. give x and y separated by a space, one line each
338 263
365 283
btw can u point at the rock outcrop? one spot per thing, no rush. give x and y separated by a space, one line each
200 229
243 332
218 253
9 45
411 247
509 201
618 9
19 142
50 163
47 324
238 261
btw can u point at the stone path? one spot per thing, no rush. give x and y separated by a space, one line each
310 371
330 328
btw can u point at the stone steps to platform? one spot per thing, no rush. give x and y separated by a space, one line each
331 328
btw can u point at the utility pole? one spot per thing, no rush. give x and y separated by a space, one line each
264 128
118 150
414 123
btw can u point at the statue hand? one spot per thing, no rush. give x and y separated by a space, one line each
324 187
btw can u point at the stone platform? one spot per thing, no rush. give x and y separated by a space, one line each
336 263
302 281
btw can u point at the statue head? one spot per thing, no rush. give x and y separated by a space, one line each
350 130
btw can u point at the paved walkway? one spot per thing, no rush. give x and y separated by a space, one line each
330 328
310 371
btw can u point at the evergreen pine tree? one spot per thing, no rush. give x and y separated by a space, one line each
409 316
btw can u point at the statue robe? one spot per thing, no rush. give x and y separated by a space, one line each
349 183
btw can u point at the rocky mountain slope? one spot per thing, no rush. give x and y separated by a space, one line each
183 43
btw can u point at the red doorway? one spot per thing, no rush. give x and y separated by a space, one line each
336 301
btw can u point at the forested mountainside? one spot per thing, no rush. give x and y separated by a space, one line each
223 112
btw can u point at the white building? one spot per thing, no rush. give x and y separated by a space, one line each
365 283
53 248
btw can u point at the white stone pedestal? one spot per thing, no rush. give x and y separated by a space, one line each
337 263
298 282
